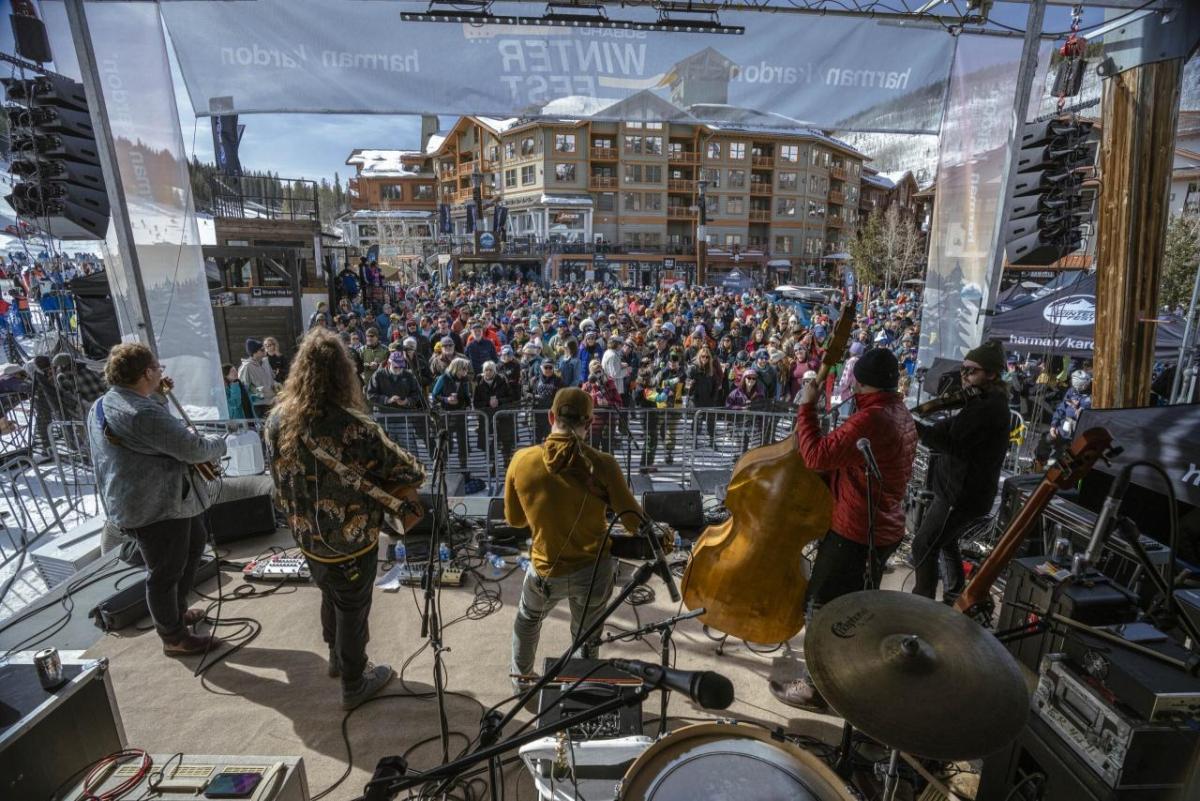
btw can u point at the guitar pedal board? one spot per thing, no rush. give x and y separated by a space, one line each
280 567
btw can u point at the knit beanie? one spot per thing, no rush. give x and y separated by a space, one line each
253 346
878 368
990 356
572 406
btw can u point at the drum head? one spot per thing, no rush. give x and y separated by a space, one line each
729 762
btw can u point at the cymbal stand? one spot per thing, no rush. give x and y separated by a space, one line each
891 781
665 629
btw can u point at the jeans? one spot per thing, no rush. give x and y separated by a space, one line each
936 541
171 550
840 569
345 606
540 594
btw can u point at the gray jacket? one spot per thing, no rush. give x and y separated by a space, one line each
145 478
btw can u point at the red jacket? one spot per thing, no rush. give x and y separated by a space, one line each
881 418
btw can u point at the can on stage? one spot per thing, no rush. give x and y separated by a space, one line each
49 668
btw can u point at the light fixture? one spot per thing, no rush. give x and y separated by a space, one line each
582 14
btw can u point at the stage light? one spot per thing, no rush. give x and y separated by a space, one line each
577 15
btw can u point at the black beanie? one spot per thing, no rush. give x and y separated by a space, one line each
878 368
990 356
253 346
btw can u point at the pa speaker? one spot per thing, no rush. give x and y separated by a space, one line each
498 529
679 509
237 520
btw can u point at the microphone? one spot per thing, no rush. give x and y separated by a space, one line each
708 689
864 446
1105 520
660 562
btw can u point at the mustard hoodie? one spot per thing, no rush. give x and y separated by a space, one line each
546 489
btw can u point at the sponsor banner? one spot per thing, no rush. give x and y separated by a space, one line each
226 136
1166 435
832 72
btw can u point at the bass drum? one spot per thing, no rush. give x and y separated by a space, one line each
729 762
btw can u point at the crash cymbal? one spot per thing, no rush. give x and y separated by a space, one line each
916 675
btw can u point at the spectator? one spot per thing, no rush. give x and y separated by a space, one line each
237 396
452 393
494 394
275 357
373 354
255 374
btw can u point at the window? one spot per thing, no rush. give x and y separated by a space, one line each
653 146
510 150
510 177
368 230
787 180
527 175
713 204
737 179
564 143
733 240
852 193
713 151
783 244
606 201
712 176
633 144
631 201
785 207
602 144
675 149
654 126
493 152
735 205
643 174
634 125
528 146
789 153
391 192
737 150
423 192
816 209
564 173
652 201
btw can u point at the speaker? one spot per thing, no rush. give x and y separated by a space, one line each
29 35
498 529
245 517
682 510
128 606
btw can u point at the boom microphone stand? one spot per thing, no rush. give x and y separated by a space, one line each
431 621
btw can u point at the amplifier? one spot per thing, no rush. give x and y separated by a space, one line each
62 557
45 737
497 528
235 520
128 605
682 510
1152 690
563 770
1122 750
1099 603
186 776
603 682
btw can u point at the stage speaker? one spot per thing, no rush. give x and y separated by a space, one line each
498 529
127 606
245 517
682 510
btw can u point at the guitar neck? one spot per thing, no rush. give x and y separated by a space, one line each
981 584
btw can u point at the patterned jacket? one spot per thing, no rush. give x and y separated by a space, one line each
330 521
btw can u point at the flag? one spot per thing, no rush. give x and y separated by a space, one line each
444 226
499 219
470 218
226 137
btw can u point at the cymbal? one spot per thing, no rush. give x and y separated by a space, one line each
916 675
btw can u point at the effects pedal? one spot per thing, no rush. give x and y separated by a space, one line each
280 567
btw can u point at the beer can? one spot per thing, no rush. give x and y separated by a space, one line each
49 668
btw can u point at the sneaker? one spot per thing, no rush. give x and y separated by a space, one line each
374 679
335 665
193 616
800 693
189 645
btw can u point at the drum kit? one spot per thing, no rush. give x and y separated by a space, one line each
910 673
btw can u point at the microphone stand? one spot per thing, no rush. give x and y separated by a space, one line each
665 629
431 622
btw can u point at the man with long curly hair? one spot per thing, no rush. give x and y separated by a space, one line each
322 407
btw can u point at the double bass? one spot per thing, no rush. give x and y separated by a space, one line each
748 572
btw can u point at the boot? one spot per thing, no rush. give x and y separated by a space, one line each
189 645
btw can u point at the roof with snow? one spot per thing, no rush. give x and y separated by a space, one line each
387 214
898 176
748 120
498 125
876 179
387 163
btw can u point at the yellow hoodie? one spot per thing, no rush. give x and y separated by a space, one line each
546 490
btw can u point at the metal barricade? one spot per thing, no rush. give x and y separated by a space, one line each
72 454
31 515
721 436
466 434
16 416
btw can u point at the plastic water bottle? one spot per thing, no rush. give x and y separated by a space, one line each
678 542
401 555
497 563
524 564
443 553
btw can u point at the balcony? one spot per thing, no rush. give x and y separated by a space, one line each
680 213
760 215
447 169
834 222
836 197
760 188
602 182
767 162
604 154
681 185
683 157
837 172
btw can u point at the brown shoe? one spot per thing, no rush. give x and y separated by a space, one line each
800 693
189 645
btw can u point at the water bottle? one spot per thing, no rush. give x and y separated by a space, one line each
524 564
401 555
497 563
443 553
678 542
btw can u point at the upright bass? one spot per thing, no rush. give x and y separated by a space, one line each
748 572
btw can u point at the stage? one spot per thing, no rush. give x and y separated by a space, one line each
273 696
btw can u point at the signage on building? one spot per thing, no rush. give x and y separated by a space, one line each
668 264
600 259
487 240
270 292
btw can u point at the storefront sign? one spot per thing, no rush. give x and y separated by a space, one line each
270 292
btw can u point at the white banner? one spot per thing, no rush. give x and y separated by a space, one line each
351 56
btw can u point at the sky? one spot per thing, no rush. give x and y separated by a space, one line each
315 146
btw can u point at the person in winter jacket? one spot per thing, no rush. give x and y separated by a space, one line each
374 353
606 404
589 350
510 369
493 394
452 393
542 388
705 387
480 349
670 382
568 367
855 544
395 391
237 397
255 372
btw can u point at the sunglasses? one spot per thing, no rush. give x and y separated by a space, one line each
970 370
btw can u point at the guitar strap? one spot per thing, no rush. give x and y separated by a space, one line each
356 480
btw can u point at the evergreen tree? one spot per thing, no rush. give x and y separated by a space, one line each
1181 260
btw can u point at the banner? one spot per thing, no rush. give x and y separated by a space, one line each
226 137
500 220
444 226
1169 435
471 211
350 56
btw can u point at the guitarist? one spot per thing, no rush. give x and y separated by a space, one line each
143 458
971 447
845 552
322 412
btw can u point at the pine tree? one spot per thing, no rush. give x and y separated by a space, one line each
1181 260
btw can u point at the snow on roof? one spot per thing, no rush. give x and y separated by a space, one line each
577 106
498 125
388 214
567 200
384 163
878 180
435 142
896 176
722 116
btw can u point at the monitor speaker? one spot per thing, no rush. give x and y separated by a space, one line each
682 510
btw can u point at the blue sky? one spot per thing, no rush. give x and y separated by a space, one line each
315 146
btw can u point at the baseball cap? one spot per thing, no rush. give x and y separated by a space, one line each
397 358
572 406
